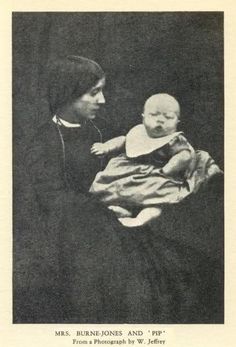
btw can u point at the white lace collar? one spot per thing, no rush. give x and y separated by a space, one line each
65 123
139 143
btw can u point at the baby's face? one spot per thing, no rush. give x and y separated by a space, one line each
159 120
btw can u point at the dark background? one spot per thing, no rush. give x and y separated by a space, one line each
142 53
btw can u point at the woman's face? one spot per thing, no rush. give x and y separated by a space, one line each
87 105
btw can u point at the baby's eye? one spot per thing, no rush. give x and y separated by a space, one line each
170 115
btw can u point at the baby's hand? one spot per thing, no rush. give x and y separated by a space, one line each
99 149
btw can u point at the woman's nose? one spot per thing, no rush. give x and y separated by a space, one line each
101 98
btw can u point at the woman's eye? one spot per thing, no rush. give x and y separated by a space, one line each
94 92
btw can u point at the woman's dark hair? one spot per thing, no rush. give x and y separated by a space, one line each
70 78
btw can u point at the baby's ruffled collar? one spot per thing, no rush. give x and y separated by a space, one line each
139 143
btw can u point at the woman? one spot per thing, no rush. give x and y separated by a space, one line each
85 266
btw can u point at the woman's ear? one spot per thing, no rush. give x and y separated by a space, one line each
142 115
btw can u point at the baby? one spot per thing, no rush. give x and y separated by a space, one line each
157 166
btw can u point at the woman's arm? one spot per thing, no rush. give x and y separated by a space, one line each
44 167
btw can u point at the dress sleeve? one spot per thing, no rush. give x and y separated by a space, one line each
44 169
178 144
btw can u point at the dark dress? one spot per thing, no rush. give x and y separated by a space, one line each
75 263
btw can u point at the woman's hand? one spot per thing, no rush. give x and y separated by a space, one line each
99 149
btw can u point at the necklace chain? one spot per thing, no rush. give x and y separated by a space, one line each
59 123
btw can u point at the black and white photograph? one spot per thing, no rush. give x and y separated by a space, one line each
118 167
